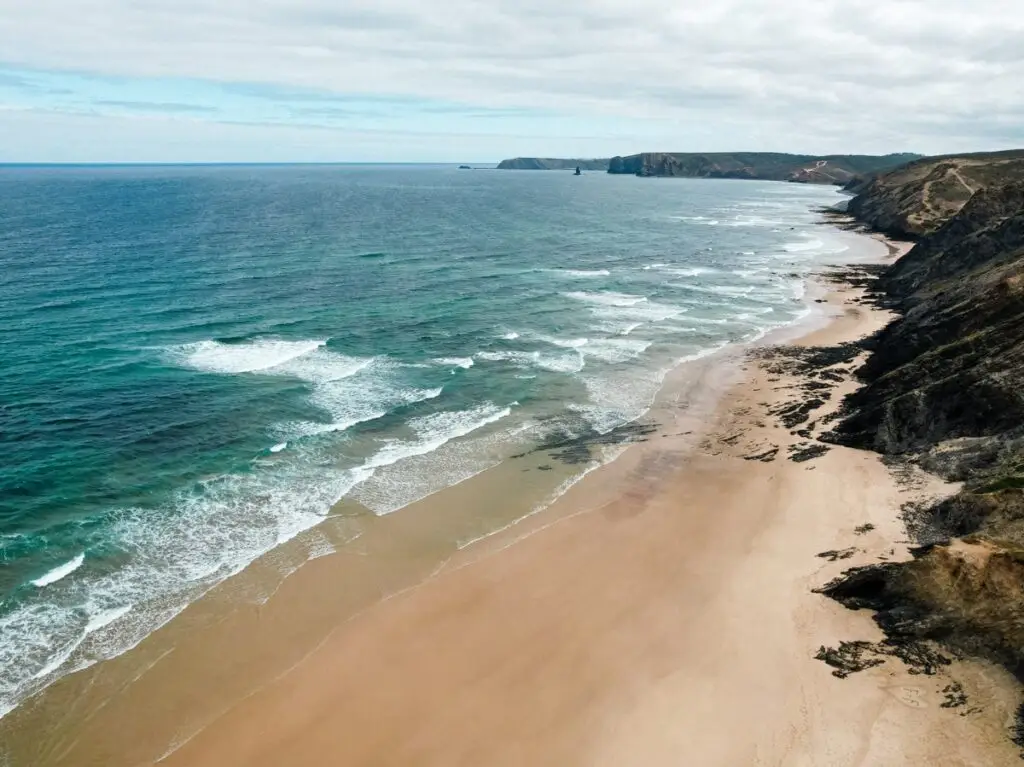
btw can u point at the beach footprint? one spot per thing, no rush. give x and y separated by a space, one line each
908 696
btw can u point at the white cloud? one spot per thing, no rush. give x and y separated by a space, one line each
815 75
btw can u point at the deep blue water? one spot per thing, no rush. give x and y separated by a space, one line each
196 363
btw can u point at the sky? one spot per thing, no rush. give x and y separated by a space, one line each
481 80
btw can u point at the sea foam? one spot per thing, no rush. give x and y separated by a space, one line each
249 357
581 273
442 454
455 362
607 298
59 573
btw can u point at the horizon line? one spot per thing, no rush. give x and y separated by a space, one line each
215 163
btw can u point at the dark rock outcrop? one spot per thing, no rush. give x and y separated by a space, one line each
944 388
965 595
953 365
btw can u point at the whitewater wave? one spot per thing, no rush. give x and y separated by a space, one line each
250 357
607 298
319 545
692 271
737 291
747 220
564 363
217 528
615 350
356 401
621 397
105 617
436 430
445 452
620 328
581 273
811 243
750 274
305 360
702 220
60 572
565 343
648 312
455 362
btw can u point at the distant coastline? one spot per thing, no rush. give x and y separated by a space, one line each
765 166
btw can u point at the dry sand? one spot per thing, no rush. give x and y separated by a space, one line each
661 613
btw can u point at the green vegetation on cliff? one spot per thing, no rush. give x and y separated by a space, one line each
921 196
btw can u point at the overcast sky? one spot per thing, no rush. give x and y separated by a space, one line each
479 80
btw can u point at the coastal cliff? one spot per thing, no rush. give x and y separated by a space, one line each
921 196
771 166
549 163
767 166
944 389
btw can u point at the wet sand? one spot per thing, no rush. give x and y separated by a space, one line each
660 612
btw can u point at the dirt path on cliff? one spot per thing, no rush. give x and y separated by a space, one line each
926 192
955 172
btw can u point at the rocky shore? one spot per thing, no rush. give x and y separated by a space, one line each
944 391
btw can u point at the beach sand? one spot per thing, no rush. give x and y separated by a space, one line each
661 613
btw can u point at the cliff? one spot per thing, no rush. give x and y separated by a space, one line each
944 389
814 169
919 197
771 166
547 163
953 365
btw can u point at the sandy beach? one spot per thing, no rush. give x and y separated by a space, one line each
659 614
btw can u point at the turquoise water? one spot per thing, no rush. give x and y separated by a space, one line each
197 363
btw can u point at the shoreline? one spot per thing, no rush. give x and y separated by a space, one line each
581 659
572 641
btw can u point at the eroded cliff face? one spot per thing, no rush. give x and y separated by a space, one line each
953 365
960 594
944 388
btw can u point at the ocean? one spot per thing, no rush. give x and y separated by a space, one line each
197 364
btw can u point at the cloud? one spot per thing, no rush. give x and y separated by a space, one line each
157 106
802 75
